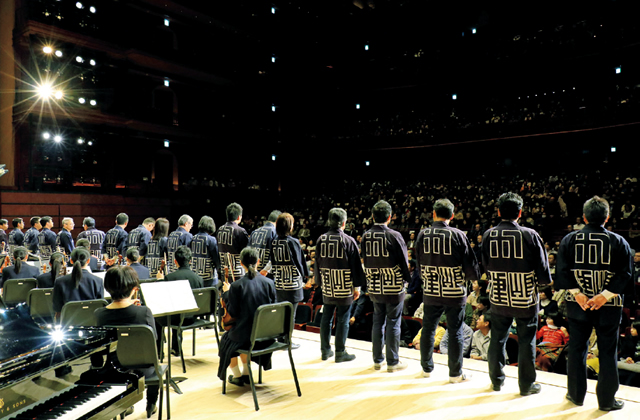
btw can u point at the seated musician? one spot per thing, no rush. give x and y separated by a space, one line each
58 269
133 258
122 284
79 285
94 264
20 269
243 298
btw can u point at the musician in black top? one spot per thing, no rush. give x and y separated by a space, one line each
386 267
93 235
204 247
231 240
115 240
31 236
79 285
261 238
20 269
58 269
133 258
94 264
596 267
447 265
4 237
516 263
178 238
47 240
339 273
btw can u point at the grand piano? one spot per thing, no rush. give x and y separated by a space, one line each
31 353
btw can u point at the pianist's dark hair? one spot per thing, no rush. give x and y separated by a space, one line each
206 224
249 258
57 265
161 229
80 258
183 256
19 254
119 281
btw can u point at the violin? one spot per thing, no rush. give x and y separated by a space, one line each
227 320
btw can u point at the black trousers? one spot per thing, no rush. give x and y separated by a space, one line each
430 319
526 328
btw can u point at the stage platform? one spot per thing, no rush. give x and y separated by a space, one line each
354 390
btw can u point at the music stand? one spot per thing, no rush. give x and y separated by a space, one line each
166 298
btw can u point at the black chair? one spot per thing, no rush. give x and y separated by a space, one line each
270 322
16 291
81 313
137 350
207 301
40 303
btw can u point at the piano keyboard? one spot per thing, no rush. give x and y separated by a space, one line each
75 403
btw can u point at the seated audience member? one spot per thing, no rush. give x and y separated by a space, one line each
79 285
182 259
94 264
440 331
20 269
547 304
481 338
482 306
553 337
413 298
467 334
58 268
122 283
629 364
133 256
243 298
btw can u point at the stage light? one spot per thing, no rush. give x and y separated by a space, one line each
79 5
273 10
166 143
613 149
45 91
80 140
47 50
58 53
273 108
273 58
82 100
166 82
58 95
367 163
166 22
57 138
79 59
454 96
92 62
92 9
57 335
46 135
90 143
273 158
93 102
618 70
366 47
357 106
473 31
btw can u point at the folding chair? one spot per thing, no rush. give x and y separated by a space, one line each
16 291
40 303
81 313
270 322
137 350
207 301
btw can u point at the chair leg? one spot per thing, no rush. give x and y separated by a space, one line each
161 389
224 382
168 384
193 350
215 328
253 385
259 372
295 376
184 367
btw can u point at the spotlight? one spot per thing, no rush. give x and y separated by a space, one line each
92 62
47 50
57 138
357 106
58 95
92 9
613 149
93 102
473 31
80 140
166 143
82 100
166 22
58 53
366 47
79 5
273 158
618 70
79 59
367 163
454 96
273 58
166 82
273 10
46 135
45 91
273 108
90 143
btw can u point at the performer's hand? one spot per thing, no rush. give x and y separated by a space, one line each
582 299
159 275
356 294
629 361
596 302
137 302
352 320
226 286
264 272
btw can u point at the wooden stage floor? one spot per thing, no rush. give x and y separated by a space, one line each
354 390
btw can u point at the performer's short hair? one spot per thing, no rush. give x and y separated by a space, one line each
89 222
149 220
120 280
337 217
443 208
44 220
4 222
596 210
510 205
381 211
207 224
66 220
234 210
273 216
183 256
34 220
15 222
284 225
133 254
122 218
184 219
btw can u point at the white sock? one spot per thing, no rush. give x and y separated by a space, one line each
236 371
245 369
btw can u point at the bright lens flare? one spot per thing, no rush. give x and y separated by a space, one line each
58 94
45 91
47 50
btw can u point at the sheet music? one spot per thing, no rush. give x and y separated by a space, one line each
169 297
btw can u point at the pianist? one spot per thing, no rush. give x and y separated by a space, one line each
122 284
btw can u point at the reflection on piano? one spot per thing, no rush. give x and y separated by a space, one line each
29 354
